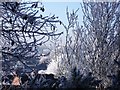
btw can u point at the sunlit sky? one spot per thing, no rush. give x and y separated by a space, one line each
59 9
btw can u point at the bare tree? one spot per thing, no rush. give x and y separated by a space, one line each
94 46
69 51
102 23
24 28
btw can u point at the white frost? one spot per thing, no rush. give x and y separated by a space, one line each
51 69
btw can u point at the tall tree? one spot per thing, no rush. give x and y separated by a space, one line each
95 45
102 23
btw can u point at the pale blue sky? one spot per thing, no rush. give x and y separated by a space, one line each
59 9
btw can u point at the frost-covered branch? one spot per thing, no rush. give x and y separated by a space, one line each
25 28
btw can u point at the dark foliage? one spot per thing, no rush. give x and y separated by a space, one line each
80 81
115 78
